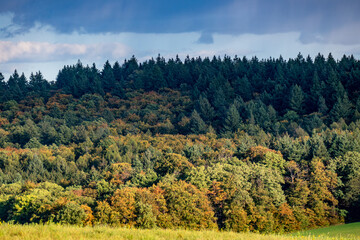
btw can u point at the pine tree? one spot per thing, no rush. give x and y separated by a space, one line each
157 78
341 109
16 86
334 88
317 147
202 82
322 108
205 109
220 103
130 66
243 88
314 94
232 120
94 80
278 100
117 71
3 88
358 104
296 99
331 61
38 85
197 125
107 77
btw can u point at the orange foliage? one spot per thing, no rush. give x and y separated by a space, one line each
89 192
120 172
217 195
259 152
124 202
286 218
3 121
89 215
59 100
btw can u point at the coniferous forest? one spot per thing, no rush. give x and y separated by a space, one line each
239 144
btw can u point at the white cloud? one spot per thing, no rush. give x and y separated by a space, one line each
43 48
44 51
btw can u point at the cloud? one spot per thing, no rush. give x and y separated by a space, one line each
43 51
7 27
317 21
347 34
44 47
206 38
64 49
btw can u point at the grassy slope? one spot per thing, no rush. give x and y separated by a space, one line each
77 233
350 231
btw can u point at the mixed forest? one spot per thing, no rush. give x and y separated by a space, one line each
239 144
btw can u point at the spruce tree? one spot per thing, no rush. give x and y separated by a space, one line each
205 109
296 99
107 77
197 125
322 108
3 88
14 86
232 120
243 88
341 109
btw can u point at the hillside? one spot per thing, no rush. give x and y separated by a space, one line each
235 144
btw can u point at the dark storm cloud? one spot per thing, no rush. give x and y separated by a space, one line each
159 16
317 20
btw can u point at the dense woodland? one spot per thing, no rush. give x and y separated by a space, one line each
238 144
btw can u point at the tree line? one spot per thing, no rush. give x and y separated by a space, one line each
245 145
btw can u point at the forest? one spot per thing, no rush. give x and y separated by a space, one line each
238 144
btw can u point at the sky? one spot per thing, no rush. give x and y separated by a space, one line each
45 35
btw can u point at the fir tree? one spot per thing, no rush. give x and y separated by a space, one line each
296 99
107 77
232 120
322 108
341 109
197 125
206 110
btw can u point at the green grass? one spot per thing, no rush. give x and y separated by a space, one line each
52 231
345 231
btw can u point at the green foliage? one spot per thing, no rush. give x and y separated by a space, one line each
71 213
171 163
348 170
232 120
322 201
233 144
205 109
198 125
296 99
188 206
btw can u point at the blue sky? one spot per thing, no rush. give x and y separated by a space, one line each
45 35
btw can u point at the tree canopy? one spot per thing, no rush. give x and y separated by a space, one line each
227 143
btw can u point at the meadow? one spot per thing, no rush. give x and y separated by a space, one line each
54 231
343 231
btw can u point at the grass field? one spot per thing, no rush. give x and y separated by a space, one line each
345 231
25 232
